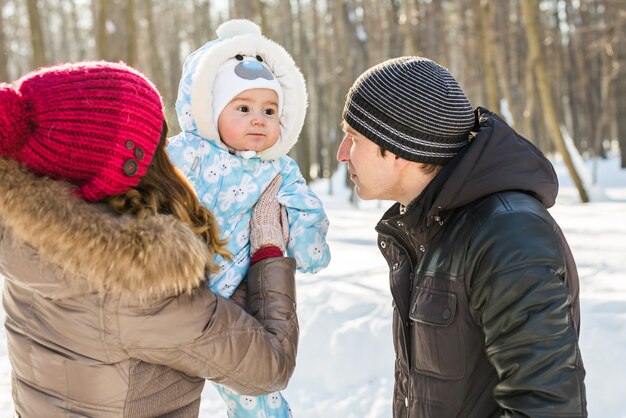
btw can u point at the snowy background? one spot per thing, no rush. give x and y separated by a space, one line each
345 361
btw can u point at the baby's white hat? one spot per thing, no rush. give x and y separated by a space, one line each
214 82
239 74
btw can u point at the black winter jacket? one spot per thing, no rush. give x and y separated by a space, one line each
485 288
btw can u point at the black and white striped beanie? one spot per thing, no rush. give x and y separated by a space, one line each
412 107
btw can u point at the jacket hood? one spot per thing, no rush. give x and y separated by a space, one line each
194 105
96 249
497 159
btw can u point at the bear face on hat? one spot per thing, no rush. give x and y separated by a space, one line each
239 74
195 101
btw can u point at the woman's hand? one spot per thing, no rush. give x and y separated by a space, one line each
269 226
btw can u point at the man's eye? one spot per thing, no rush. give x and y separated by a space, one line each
243 109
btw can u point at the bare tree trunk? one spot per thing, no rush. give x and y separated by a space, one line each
203 30
502 74
156 63
102 41
175 67
529 106
587 65
314 89
301 150
441 47
4 63
572 75
515 55
131 34
342 72
620 95
395 40
357 39
67 51
485 49
49 13
529 10
79 42
266 27
36 34
325 93
286 34
611 68
244 9
408 21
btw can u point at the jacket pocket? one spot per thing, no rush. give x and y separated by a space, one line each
437 347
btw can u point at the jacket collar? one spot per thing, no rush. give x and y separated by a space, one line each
95 248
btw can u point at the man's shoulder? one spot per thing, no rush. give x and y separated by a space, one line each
510 211
505 202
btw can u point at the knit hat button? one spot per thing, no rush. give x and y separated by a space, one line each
129 144
130 168
139 154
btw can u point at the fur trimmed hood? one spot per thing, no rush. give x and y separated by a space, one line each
152 257
194 105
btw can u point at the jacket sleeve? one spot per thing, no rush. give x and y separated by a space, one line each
205 335
308 223
516 270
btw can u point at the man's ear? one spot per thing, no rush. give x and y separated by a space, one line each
400 163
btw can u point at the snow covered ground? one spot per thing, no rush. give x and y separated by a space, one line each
345 361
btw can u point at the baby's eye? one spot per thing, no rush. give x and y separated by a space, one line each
244 109
270 111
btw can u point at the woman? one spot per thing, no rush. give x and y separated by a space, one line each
104 248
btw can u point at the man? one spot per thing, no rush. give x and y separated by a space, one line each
485 289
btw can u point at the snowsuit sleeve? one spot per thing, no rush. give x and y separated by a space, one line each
252 354
308 223
186 154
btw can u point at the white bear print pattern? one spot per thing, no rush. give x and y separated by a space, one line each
268 406
212 170
230 186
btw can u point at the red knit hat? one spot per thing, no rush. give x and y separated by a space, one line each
93 124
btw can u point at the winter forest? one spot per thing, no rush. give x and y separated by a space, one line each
555 69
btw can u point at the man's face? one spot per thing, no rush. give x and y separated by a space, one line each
375 176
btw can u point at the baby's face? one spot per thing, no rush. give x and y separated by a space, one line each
250 122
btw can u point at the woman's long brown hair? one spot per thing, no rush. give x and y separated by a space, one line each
164 190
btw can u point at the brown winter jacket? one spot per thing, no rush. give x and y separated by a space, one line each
107 315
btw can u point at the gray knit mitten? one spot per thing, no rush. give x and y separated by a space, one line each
269 225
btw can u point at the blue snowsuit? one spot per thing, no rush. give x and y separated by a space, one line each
229 185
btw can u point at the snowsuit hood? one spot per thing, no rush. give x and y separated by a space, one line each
194 105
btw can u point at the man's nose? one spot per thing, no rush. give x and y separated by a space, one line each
343 153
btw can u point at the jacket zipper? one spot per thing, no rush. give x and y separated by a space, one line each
407 244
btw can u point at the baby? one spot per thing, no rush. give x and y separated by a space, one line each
241 106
